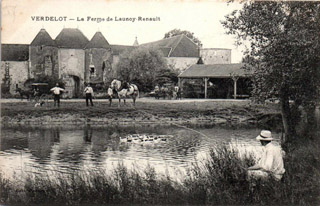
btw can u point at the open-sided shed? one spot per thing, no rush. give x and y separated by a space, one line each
216 71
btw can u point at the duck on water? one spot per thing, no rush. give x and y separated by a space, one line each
144 138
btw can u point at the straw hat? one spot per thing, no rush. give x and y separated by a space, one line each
265 135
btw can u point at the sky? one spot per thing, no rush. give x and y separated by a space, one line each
202 17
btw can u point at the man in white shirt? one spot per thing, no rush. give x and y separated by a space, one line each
56 94
271 162
89 94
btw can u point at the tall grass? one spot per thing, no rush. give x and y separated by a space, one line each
220 180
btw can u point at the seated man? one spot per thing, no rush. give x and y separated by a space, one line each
271 161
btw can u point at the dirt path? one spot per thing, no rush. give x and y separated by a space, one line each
144 99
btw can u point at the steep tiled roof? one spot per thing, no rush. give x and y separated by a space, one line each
71 38
165 51
118 49
98 41
214 70
14 52
180 45
42 39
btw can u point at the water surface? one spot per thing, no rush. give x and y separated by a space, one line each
88 148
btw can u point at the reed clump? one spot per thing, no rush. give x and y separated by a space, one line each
219 180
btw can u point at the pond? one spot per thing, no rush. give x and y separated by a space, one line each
68 148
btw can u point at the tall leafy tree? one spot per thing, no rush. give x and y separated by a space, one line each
141 66
284 46
190 35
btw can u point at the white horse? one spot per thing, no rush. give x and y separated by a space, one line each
123 90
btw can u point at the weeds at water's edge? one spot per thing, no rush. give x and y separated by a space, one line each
220 180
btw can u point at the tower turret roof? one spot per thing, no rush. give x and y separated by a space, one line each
71 38
42 39
98 41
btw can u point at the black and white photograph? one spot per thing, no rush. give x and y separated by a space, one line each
149 102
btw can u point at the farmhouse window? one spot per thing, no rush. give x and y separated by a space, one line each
91 67
92 70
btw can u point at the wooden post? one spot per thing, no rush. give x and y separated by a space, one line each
235 79
179 82
205 87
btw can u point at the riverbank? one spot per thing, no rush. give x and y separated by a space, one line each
221 180
146 111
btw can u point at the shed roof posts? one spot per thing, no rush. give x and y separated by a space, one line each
214 71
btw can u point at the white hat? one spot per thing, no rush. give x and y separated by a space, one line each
265 135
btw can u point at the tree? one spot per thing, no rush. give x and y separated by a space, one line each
284 39
169 75
141 66
190 35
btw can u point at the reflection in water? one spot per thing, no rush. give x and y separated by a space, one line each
40 144
87 134
89 148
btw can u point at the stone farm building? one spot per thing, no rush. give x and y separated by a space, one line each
75 59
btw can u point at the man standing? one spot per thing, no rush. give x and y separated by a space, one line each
89 94
271 162
178 92
56 93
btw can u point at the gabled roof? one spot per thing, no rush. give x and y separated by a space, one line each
118 49
14 52
165 51
214 70
42 39
98 41
71 38
180 46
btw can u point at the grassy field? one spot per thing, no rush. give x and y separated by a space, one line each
146 110
221 180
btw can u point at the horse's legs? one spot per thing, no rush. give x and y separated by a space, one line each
134 100
124 101
110 101
119 102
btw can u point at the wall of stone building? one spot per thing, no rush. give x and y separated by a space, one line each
181 63
115 61
216 56
43 60
72 70
18 73
102 60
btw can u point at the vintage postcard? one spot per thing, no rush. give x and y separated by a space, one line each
133 102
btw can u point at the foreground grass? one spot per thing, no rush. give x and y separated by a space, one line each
221 180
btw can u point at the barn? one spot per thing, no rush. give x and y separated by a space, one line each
217 81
